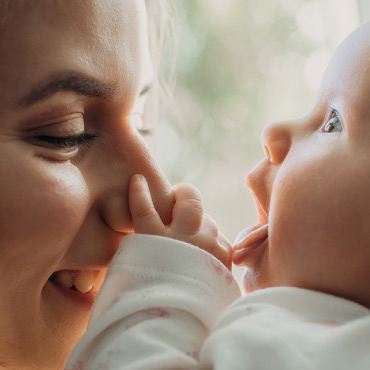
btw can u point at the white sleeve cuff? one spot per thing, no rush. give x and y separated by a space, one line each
154 271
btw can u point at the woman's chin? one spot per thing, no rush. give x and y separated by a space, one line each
65 314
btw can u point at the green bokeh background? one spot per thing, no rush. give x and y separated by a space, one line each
241 64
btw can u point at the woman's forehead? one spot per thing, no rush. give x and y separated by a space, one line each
106 39
71 10
104 24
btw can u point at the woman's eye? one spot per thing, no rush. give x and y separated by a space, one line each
333 124
68 143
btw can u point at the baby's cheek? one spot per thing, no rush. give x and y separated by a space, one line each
296 215
300 197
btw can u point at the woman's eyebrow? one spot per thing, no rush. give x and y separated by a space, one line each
68 81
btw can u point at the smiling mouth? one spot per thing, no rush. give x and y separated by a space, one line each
80 281
80 287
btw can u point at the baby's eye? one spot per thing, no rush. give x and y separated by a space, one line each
333 124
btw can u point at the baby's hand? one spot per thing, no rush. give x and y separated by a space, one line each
189 223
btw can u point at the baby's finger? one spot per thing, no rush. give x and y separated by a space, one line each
225 253
145 218
217 244
188 210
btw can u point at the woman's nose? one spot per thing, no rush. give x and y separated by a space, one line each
132 157
276 139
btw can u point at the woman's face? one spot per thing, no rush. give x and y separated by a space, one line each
66 67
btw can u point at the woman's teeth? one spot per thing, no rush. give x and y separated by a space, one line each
83 281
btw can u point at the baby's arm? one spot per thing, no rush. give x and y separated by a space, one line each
161 296
165 305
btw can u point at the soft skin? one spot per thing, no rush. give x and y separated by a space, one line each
189 221
66 209
313 187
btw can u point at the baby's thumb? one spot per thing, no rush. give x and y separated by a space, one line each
145 219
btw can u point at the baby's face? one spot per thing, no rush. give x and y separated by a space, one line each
313 187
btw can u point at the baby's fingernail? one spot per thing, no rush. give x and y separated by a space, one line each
140 178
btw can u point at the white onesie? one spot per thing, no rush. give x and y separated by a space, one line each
168 305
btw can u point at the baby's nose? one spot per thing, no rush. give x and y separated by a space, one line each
276 139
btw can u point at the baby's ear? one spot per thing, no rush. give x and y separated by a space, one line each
145 219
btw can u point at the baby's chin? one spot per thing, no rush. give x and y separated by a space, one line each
254 280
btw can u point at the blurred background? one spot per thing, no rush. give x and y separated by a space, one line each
241 64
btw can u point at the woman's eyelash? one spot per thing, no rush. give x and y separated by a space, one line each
145 131
67 142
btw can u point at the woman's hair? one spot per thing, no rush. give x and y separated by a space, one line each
160 31
161 28
158 18
5 12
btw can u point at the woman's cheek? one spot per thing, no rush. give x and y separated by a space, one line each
42 204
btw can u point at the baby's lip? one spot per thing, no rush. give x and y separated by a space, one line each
251 235
262 214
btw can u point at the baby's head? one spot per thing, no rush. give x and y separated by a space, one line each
313 187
